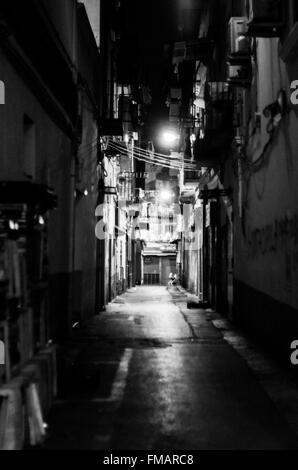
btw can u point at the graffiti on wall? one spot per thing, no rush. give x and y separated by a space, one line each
273 237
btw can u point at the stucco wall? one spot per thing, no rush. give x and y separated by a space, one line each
266 238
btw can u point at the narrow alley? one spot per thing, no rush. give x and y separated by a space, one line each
148 226
151 374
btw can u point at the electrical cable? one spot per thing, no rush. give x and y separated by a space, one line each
147 159
157 163
162 161
162 155
144 151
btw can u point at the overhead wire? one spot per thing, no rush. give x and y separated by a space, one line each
166 161
86 148
172 157
163 164
150 161
156 154
148 158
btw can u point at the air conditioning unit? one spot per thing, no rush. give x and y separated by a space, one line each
239 43
239 76
265 17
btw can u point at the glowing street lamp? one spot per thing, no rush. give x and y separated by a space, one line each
165 195
169 137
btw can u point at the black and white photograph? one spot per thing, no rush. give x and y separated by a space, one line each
148 230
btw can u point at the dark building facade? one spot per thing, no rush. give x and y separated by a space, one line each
237 100
49 153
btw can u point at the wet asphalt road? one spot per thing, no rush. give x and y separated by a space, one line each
149 374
